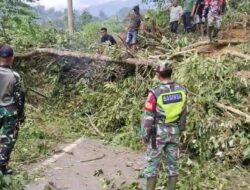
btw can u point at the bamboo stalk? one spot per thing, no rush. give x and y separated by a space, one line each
94 127
181 53
237 54
231 109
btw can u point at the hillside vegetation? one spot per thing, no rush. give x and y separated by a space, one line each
70 96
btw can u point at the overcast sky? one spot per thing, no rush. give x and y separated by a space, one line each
78 4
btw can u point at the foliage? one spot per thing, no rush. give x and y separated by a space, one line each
215 140
212 133
242 6
44 16
85 18
88 39
13 13
16 182
160 16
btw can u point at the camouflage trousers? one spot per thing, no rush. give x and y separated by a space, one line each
214 21
9 127
167 142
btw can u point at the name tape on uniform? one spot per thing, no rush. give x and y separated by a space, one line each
172 98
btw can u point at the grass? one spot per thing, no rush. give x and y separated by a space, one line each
38 139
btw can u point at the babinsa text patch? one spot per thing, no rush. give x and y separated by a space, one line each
172 98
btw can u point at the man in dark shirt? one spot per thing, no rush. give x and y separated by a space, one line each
133 28
105 37
200 4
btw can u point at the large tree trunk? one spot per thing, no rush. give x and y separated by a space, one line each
70 16
97 57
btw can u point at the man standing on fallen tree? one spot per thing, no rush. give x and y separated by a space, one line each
134 26
164 119
214 8
11 107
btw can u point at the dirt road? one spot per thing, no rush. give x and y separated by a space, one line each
90 165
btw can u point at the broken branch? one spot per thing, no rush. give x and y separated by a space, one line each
38 93
237 54
219 43
181 53
231 109
94 127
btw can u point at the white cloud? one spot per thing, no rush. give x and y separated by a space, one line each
78 4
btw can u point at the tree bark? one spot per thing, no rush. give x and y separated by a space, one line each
97 57
237 54
219 43
182 53
233 110
70 16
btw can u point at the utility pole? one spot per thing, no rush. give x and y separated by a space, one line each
70 17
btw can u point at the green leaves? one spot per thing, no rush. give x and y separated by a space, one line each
14 14
16 182
212 132
246 155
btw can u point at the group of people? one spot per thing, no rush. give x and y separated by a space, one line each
165 109
163 120
164 112
133 30
197 14
202 15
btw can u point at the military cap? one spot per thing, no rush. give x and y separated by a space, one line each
6 51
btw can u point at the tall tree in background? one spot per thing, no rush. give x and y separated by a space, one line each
85 18
70 16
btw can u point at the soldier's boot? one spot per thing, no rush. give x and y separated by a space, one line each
151 183
172 183
210 35
6 170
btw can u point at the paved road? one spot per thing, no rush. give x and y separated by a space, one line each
88 165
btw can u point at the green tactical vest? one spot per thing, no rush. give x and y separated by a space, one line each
171 99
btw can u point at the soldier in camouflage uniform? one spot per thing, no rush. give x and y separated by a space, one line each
164 119
11 107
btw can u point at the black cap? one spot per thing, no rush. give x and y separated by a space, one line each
163 66
136 8
6 51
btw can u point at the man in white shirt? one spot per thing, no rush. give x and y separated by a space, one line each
175 16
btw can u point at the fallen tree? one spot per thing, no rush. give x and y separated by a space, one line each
237 54
219 43
233 110
97 57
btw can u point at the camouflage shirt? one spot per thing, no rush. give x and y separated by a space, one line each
153 113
